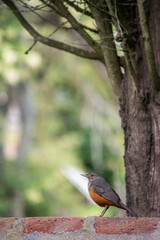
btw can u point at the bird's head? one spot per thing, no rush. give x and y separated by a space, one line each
90 175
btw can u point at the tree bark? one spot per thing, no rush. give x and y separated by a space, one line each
141 124
140 114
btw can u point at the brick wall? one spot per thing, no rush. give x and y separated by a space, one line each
90 228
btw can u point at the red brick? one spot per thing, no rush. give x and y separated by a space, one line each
52 224
6 224
107 225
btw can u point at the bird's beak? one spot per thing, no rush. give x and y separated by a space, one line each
84 175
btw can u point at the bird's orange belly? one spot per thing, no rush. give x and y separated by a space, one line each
100 200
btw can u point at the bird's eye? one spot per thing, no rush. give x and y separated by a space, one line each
92 175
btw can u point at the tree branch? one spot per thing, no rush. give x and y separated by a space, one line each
78 9
75 24
108 47
115 20
51 5
148 45
50 42
127 55
56 10
88 28
129 63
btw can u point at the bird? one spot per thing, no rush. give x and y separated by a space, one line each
103 194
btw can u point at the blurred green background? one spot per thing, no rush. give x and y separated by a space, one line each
56 110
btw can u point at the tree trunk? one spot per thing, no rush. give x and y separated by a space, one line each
140 113
141 124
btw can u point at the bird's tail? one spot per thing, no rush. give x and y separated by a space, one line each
127 209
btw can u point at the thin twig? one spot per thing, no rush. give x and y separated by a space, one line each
34 43
78 9
59 27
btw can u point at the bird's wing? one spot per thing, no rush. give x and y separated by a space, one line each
103 188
